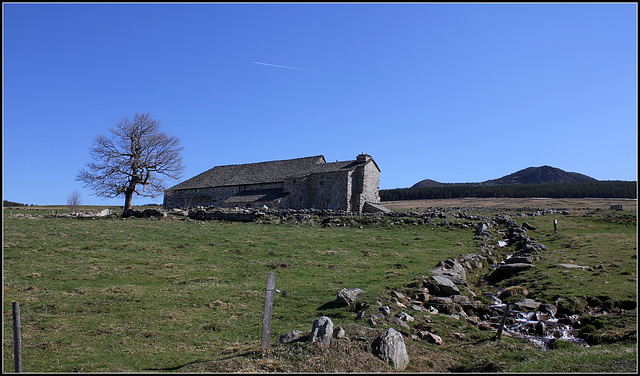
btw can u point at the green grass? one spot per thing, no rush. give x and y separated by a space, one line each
573 358
114 295
604 241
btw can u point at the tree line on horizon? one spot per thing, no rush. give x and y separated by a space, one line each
6 203
598 189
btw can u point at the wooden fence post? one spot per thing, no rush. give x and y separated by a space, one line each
17 338
504 319
268 306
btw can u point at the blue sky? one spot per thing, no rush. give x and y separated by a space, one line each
449 92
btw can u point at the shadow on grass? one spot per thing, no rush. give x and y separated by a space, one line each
485 366
332 305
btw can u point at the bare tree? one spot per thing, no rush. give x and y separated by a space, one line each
136 158
73 201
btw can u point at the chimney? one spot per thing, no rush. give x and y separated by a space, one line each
364 157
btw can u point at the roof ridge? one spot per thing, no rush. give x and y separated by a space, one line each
276 160
251 173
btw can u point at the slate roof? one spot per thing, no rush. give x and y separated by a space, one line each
264 172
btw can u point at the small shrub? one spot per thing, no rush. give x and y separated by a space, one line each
587 329
570 307
595 321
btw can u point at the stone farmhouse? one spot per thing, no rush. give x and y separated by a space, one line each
302 183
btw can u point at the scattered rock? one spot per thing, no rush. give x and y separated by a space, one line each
520 258
483 230
400 323
574 266
405 317
398 295
430 337
549 309
292 336
461 299
385 310
339 332
442 304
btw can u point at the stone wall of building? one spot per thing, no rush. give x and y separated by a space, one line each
371 183
327 191
317 191
345 190
364 187
191 198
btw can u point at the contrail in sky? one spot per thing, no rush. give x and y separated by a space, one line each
282 66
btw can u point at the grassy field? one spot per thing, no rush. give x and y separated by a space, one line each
135 295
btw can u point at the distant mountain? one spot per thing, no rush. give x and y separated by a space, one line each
543 174
428 183
531 175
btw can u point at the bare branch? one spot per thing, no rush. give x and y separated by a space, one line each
136 158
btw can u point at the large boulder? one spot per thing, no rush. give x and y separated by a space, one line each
103 213
528 304
370 207
523 243
390 347
451 269
148 213
506 271
441 286
348 296
132 213
321 331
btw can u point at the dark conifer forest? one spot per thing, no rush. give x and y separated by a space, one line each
596 189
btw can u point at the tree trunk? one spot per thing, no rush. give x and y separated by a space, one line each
128 196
